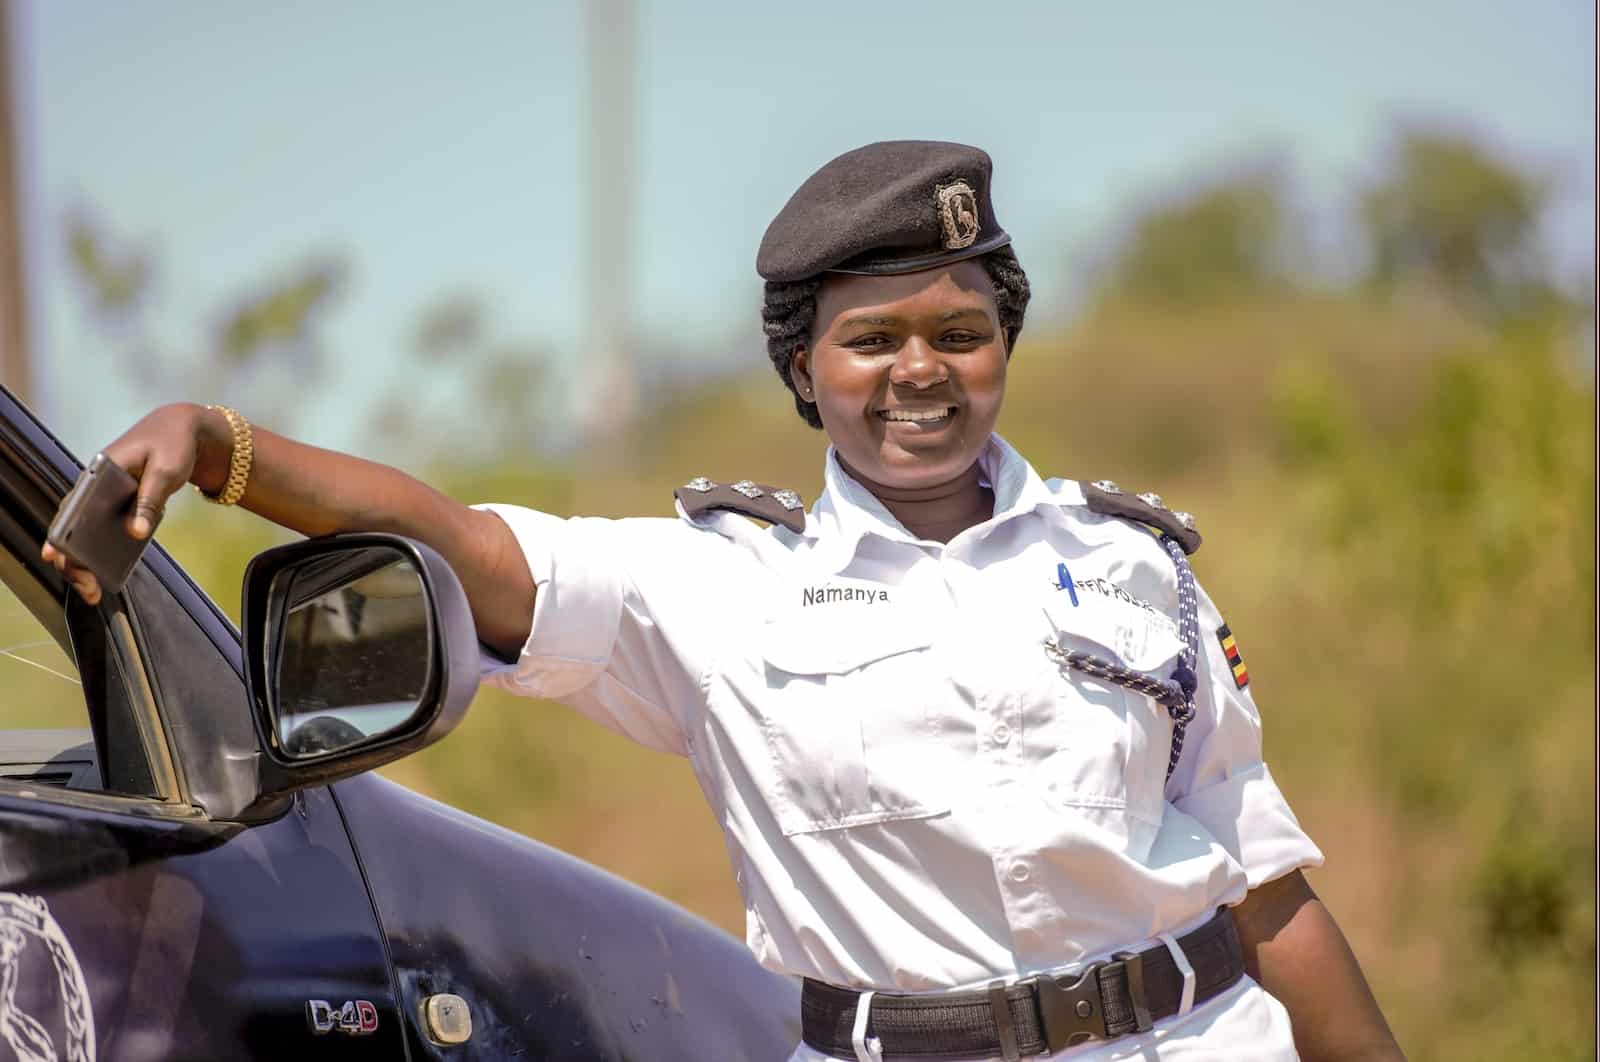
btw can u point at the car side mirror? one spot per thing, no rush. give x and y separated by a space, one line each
359 649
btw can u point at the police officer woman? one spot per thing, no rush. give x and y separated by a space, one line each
984 754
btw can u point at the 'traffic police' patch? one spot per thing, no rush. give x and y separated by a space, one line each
1230 649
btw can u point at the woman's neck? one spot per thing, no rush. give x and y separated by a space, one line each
940 512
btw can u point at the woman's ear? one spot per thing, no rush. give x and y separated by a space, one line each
800 374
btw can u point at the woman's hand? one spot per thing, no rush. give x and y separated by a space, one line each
173 445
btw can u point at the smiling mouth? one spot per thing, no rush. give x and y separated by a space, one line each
918 416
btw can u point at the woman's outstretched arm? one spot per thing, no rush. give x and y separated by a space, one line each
320 492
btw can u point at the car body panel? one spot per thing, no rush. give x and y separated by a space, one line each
195 940
552 955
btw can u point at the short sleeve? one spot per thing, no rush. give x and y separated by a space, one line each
1221 779
613 635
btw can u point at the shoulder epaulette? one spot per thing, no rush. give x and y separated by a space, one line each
774 505
1104 496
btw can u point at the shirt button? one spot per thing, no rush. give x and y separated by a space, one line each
1002 734
1019 872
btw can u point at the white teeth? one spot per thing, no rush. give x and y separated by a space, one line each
917 415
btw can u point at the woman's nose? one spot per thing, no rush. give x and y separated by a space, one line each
917 365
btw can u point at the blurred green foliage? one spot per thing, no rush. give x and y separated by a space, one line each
1449 214
1398 497
112 282
1224 239
280 314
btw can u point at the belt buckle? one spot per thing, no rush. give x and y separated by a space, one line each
1074 1013
1071 1012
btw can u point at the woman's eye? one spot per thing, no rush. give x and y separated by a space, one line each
961 338
867 342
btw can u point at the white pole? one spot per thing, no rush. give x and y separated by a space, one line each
608 399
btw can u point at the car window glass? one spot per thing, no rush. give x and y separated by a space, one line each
37 672
56 728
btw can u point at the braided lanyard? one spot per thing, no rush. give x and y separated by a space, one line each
1176 692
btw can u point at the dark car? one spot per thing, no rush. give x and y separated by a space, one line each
194 865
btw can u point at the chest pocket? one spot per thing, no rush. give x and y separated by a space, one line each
847 723
1110 744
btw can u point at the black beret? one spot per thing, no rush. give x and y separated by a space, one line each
894 207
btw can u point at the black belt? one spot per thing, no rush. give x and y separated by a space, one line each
1032 1016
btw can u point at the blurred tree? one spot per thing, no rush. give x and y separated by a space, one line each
1225 240
449 327
465 366
510 379
114 279
264 345
1449 215
281 314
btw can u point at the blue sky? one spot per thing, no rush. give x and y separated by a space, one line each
438 147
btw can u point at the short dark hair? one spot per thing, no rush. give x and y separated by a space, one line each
789 310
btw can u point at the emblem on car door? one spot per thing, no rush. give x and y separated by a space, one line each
356 1017
31 942
448 1018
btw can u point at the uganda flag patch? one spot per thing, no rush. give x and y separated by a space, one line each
1230 649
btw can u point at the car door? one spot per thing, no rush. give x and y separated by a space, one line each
134 922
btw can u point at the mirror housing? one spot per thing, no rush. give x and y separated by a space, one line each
334 562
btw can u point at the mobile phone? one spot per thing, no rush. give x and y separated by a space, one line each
91 525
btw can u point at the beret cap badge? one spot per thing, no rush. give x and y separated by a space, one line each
958 215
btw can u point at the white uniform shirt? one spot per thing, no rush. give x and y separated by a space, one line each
915 796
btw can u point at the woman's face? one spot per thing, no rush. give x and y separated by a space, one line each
907 372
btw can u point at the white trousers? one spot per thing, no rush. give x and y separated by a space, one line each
1244 1024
